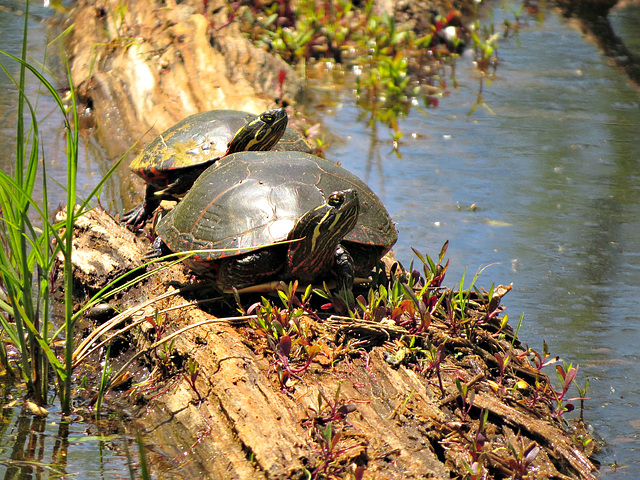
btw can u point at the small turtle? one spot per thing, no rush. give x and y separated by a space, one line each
171 162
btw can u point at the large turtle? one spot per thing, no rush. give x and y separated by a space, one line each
250 204
171 162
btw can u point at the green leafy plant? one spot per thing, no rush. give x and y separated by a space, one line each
522 456
503 362
543 360
467 396
145 473
406 298
566 375
476 470
471 447
27 257
314 29
485 44
193 370
284 332
326 427
397 302
388 58
435 356
457 305
104 382
582 394
330 410
143 462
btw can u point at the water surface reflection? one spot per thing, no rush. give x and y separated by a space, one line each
555 176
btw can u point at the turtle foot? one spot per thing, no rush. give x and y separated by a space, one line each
158 249
135 218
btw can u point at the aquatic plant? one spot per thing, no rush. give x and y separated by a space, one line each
104 382
391 63
284 334
33 243
326 427
28 257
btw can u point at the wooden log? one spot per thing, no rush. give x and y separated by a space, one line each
242 417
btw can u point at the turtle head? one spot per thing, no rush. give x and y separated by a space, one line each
261 133
320 231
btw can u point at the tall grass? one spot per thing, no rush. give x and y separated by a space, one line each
32 244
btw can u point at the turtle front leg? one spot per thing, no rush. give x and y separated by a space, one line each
158 249
183 183
136 217
251 269
343 269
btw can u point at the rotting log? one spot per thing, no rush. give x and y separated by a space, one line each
237 418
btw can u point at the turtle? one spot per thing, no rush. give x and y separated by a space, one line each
172 161
265 216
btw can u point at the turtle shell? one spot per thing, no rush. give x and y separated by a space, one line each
199 139
249 200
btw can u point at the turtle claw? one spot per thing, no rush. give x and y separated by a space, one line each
343 269
135 218
158 249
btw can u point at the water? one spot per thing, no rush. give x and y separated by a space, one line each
42 50
553 171
625 21
37 447
554 174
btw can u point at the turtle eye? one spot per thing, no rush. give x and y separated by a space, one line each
335 199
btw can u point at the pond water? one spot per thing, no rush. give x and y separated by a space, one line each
50 447
42 48
552 169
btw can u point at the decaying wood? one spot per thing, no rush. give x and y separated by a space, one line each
561 445
112 252
238 420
